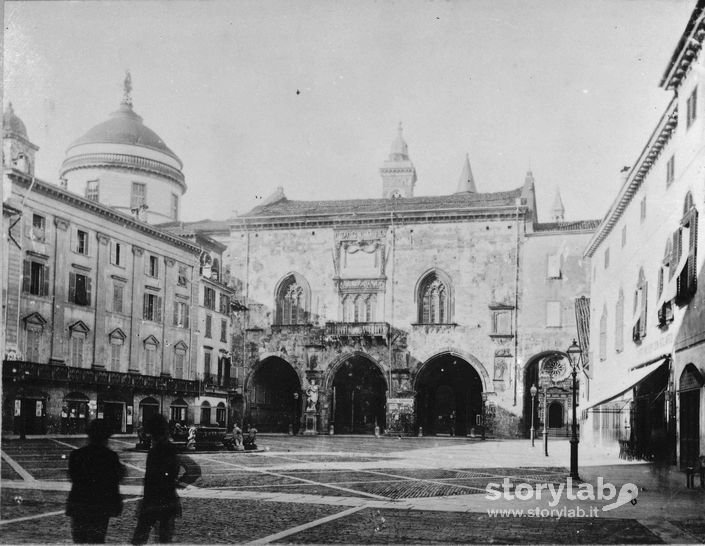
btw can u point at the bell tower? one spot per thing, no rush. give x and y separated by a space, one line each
398 172
17 150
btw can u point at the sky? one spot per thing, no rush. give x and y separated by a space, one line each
307 95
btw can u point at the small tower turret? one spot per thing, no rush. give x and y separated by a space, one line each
557 210
398 172
466 183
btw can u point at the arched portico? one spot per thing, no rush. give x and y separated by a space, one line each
358 392
273 395
448 395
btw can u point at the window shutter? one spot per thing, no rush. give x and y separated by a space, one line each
145 306
26 275
158 310
642 318
45 281
113 251
176 313
675 253
187 310
72 287
88 290
659 285
692 267
146 265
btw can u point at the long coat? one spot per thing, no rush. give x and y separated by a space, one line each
95 473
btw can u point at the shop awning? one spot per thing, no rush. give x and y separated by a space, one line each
631 380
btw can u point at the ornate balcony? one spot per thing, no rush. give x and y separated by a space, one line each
357 329
17 370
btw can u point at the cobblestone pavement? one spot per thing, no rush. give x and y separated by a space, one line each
364 490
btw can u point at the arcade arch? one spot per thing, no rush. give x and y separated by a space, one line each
273 396
448 395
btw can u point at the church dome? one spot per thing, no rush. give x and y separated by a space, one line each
11 124
125 127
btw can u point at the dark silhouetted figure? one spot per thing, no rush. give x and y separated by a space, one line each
661 452
95 473
160 503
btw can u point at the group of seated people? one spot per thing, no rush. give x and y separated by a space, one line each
236 441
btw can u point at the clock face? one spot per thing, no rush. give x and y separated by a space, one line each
556 368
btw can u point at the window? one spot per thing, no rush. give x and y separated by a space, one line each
79 289
152 308
554 266
179 360
152 267
225 304
670 170
607 258
207 355
205 413
220 414
38 231
603 334
181 314
643 209
115 356
685 250
208 298
692 107
223 330
182 278
209 324
92 190
640 301
118 292
619 323
293 297
117 339
116 253
34 332
138 197
624 236
434 299
77 340
174 206
150 356
553 314
82 242
36 278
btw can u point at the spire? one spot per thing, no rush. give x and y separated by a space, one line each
466 183
400 150
557 210
127 89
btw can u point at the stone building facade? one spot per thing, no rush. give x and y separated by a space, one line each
647 324
403 314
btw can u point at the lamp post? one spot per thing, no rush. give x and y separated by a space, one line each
545 419
533 392
574 353
296 411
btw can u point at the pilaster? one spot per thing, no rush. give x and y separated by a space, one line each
62 251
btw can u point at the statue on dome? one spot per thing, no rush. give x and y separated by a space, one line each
127 86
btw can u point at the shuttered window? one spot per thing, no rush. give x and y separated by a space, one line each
35 279
152 308
79 289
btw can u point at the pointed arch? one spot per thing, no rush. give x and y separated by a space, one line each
434 297
292 297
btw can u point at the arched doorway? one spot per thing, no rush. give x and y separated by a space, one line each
689 389
148 407
359 397
555 415
273 396
449 396
649 414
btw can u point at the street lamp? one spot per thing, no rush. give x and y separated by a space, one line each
533 392
574 353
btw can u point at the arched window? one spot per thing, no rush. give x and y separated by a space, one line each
603 334
619 323
206 413
434 299
293 297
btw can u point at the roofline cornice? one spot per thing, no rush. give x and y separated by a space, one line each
650 153
102 210
126 162
379 218
686 51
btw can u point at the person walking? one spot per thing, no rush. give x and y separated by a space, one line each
95 473
160 503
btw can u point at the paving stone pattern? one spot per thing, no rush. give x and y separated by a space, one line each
403 526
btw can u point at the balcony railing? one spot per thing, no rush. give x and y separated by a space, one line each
357 329
211 382
17 370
